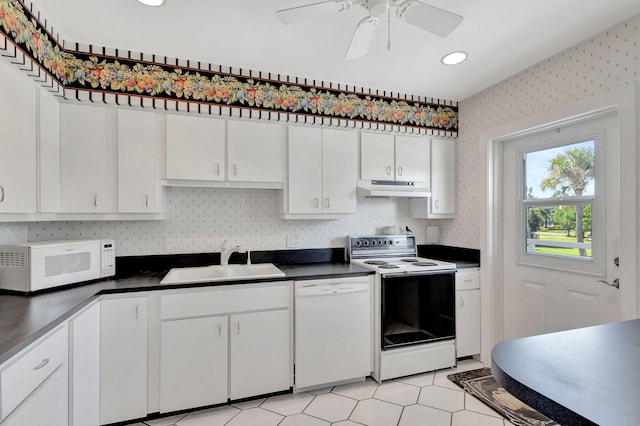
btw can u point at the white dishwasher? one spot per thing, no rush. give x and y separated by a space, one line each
333 326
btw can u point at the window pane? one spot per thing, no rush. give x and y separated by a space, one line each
555 230
565 171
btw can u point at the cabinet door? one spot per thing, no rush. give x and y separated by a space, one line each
85 367
377 157
193 363
87 163
443 176
260 348
339 171
48 153
138 178
47 405
467 322
123 366
255 152
412 159
195 148
18 155
305 170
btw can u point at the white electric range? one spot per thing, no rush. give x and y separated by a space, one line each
414 305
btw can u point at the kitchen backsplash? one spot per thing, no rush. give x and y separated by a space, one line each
200 219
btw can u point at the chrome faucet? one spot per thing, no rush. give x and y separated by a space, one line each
225 252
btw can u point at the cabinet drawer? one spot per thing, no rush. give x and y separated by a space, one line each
467 279
223 300
28 372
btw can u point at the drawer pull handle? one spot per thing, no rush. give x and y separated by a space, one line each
42 364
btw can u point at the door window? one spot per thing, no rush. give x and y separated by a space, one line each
558 200
561 208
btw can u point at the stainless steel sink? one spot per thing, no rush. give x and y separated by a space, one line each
205 274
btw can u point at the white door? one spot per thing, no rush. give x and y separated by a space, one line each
552 281
138 178
18 157
87 160
123 359
412 159
377 158
305 170
85 367
260 348
195 148
255 151
193 363
339 171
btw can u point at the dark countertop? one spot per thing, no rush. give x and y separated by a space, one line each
23 319
462 257
587 376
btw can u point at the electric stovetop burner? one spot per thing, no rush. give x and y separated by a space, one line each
388 266
423 263
376 262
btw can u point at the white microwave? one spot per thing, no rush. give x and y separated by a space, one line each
37 266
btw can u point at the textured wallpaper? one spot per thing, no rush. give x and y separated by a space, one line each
200 219
609 60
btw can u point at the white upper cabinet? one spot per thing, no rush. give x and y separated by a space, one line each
204 151
412 159
322 173
18 154
389 157
138 177
255 152
195 148
87 159
442 204
377 156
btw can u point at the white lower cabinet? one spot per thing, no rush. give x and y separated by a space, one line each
34 385
260 361
467 312
193 363
123 359
84 378
223 344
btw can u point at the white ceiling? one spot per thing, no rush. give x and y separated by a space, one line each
502 37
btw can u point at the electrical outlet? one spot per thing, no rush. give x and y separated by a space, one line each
293 241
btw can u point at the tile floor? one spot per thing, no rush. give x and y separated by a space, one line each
428 399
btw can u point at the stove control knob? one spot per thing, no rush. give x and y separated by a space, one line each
358 243
374 242
366 243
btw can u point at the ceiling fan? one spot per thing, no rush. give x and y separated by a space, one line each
424 16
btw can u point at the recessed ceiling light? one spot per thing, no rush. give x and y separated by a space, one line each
152 2
453 58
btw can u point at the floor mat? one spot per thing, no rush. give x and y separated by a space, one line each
481 384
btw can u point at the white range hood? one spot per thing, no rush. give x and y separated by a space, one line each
385 188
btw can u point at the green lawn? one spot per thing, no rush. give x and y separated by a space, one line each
559 235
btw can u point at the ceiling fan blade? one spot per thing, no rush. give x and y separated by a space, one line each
429 18
309 11
362 38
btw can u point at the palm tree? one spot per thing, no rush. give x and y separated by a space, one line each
572 171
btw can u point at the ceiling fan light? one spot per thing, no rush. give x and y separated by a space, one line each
152 2
454 58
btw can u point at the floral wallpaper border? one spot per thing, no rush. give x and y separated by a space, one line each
116 75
